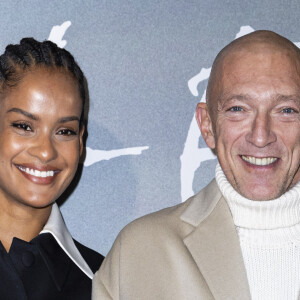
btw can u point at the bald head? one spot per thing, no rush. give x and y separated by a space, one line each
259 44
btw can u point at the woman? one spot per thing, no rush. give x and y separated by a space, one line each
42 96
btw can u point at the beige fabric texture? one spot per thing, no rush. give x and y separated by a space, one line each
189 251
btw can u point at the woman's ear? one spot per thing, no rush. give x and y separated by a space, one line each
205 125
81 132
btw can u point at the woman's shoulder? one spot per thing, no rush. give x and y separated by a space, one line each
92 257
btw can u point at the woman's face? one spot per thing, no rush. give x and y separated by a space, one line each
40 138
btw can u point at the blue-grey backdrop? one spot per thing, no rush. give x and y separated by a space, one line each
146 63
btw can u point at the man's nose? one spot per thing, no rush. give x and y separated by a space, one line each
261 133
43 148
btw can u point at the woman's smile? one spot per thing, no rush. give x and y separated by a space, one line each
38 175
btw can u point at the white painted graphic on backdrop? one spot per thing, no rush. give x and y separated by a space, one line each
92 155
192 155
57 32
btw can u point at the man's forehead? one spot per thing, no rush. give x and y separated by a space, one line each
259 55
257 50
252 57
259 64
277 85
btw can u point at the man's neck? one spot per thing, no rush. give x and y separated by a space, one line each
278 213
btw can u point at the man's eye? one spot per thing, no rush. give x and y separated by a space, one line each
288 110
22 126
66 132
235 109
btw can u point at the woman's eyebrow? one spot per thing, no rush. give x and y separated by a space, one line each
68 119
23 112
33 117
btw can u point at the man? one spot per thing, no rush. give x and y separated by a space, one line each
239 238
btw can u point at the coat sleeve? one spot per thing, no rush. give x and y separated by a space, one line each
106 280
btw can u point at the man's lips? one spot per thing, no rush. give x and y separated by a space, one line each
259 161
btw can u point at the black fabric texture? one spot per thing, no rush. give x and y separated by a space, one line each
41 269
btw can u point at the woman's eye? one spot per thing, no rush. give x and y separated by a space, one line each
235 109
66 132
22 126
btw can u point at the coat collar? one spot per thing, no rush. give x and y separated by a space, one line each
214 244
57 227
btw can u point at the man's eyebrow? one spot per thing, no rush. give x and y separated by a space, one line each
240 97
68 119
23 112
283 98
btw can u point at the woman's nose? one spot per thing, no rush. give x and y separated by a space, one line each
43 148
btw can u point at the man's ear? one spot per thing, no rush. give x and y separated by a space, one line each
205 125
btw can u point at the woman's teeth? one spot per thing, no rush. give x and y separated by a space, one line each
36 173
265 161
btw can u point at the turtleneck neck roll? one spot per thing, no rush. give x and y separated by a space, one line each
270 214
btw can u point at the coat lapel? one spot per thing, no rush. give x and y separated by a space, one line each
214 245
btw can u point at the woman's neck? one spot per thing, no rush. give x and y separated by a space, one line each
21 221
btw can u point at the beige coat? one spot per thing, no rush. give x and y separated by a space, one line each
187 252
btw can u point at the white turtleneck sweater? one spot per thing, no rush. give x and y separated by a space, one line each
269 234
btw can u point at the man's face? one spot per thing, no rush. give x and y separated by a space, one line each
257 122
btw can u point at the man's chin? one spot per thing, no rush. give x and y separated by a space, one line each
260 193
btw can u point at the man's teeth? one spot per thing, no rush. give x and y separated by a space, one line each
37 173
259 161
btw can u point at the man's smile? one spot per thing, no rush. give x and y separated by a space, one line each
259 161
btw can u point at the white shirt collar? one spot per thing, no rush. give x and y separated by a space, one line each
57 227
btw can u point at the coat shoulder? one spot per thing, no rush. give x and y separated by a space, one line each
175 221
153 225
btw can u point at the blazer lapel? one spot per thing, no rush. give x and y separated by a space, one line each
214 245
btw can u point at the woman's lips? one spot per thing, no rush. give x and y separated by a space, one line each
38 175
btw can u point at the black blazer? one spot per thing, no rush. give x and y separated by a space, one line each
41 270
